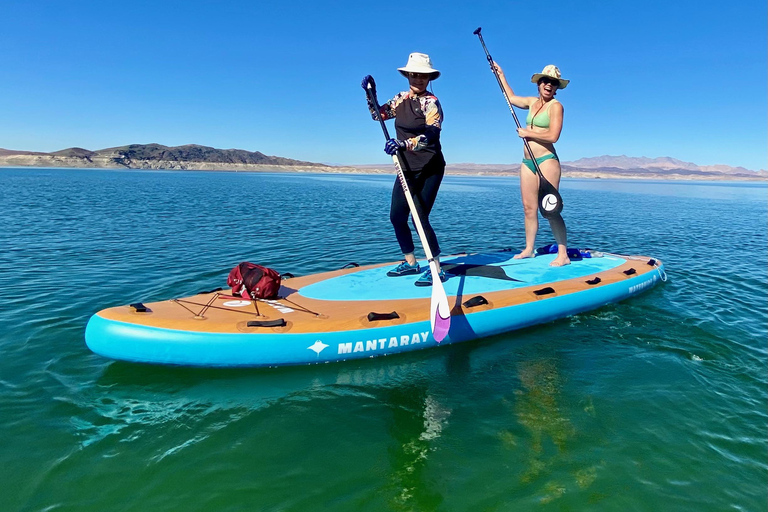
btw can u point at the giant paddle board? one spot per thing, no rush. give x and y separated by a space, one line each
359 312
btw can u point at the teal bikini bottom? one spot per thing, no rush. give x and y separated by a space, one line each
529 163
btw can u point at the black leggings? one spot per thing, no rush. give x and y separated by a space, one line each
424 185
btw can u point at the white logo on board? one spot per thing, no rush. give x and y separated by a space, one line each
317 346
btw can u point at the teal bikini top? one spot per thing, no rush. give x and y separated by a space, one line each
541 118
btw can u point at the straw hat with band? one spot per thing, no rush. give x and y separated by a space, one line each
552 72
419 63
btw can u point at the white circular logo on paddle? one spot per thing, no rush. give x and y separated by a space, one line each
549 202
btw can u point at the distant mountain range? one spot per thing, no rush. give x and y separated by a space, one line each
662 163
195 157
623 166
153 156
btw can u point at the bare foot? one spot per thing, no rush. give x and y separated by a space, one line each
527 253
560 261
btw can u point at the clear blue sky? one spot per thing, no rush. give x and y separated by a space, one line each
685 79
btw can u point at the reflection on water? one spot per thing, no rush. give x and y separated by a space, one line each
550 433
538 410
417 420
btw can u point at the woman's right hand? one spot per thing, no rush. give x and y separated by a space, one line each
496 68
369 83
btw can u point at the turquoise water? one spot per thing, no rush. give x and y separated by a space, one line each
656 403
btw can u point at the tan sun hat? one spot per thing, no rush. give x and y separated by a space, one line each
550 71
419 63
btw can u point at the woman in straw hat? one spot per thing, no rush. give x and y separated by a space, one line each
543 126
418 120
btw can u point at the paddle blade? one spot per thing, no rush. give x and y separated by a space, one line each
440 310
550 201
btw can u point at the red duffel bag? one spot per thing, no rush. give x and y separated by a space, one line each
251 281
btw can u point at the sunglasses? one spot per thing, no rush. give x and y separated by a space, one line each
549 81
419 75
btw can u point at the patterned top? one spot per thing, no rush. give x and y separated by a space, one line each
425 106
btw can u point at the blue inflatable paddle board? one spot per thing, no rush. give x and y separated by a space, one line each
360 312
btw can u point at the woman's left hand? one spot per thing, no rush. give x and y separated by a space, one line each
522 133
395 145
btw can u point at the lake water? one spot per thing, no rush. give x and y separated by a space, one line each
656 403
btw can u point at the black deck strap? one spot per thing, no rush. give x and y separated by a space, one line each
280 322
596 280
286 275
544 291
652 262
351 264
630 271
372 317
475 301
140 308
210 291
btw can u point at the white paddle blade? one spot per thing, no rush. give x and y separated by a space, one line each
440 310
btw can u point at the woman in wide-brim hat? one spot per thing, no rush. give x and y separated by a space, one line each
542 129
418 120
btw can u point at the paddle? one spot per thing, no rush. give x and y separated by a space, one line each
440 311
550 202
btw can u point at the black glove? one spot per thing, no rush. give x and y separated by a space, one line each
393 145
369 82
